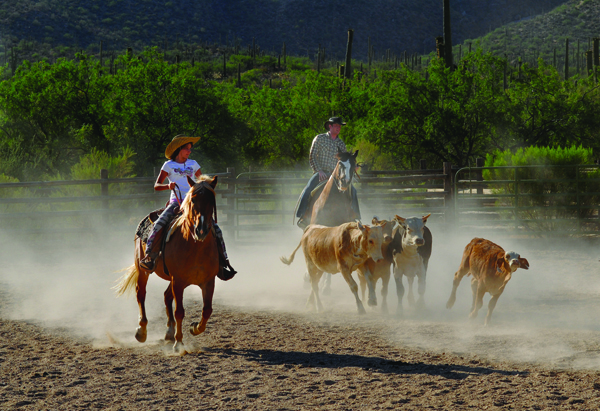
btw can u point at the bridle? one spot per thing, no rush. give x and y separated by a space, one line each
198 233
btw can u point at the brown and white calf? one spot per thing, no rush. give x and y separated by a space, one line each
491 268
370 271
412 242
334 250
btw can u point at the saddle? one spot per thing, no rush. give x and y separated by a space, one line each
144 229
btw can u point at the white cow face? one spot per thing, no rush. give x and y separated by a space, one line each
414 228
515 261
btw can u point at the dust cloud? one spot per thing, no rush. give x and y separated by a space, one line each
547 314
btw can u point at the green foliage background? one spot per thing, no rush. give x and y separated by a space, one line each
54 116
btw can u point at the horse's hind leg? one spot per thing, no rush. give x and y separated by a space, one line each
141 332
207 296
170 335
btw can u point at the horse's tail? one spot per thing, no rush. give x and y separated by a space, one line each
126 284
290 259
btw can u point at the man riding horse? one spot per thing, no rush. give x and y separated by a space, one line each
323 160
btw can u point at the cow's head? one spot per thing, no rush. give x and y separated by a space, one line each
414 227
387 228
372 239
514 261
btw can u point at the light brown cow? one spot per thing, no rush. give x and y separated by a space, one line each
370 271
491 268
337 249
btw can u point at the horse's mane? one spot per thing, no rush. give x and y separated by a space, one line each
188 213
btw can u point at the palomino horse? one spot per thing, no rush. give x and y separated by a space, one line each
190 257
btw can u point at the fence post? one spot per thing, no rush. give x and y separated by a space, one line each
448 200
479 162
104 193
423 164
232 219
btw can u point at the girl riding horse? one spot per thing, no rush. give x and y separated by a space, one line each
177 169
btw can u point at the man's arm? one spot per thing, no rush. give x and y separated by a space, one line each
312 160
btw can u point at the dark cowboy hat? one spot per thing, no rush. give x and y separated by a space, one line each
178 141
334 120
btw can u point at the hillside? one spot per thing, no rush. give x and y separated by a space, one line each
540 36
60 27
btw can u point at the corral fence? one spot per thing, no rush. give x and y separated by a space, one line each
257 206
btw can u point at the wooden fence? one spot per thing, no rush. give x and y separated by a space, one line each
251 205
255 206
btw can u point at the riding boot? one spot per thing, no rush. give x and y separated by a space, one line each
226 271
148 262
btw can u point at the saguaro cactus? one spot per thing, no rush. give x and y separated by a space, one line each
566 59
348 69
447 35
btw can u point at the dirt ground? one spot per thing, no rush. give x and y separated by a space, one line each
67 342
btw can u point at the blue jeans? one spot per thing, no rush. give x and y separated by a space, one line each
310 186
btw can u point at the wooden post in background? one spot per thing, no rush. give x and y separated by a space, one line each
449 195
104 193
479 162
230 205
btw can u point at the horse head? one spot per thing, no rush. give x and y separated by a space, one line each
200 205
345 169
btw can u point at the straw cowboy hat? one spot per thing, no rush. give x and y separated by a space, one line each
177 142
334 120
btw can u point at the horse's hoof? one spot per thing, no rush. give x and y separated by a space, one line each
372 302
195 328
361 310
141 334
179 348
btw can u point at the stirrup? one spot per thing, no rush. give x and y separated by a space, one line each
226 271
301 223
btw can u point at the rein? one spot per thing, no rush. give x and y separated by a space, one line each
178 197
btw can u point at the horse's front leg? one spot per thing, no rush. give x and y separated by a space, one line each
140 288
177 290
170 335
208 290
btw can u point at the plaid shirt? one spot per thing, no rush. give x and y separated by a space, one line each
323 151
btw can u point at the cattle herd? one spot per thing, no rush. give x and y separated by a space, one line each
404 244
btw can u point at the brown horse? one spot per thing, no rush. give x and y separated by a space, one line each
333 206
190 257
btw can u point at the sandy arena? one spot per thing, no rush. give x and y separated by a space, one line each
68 342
